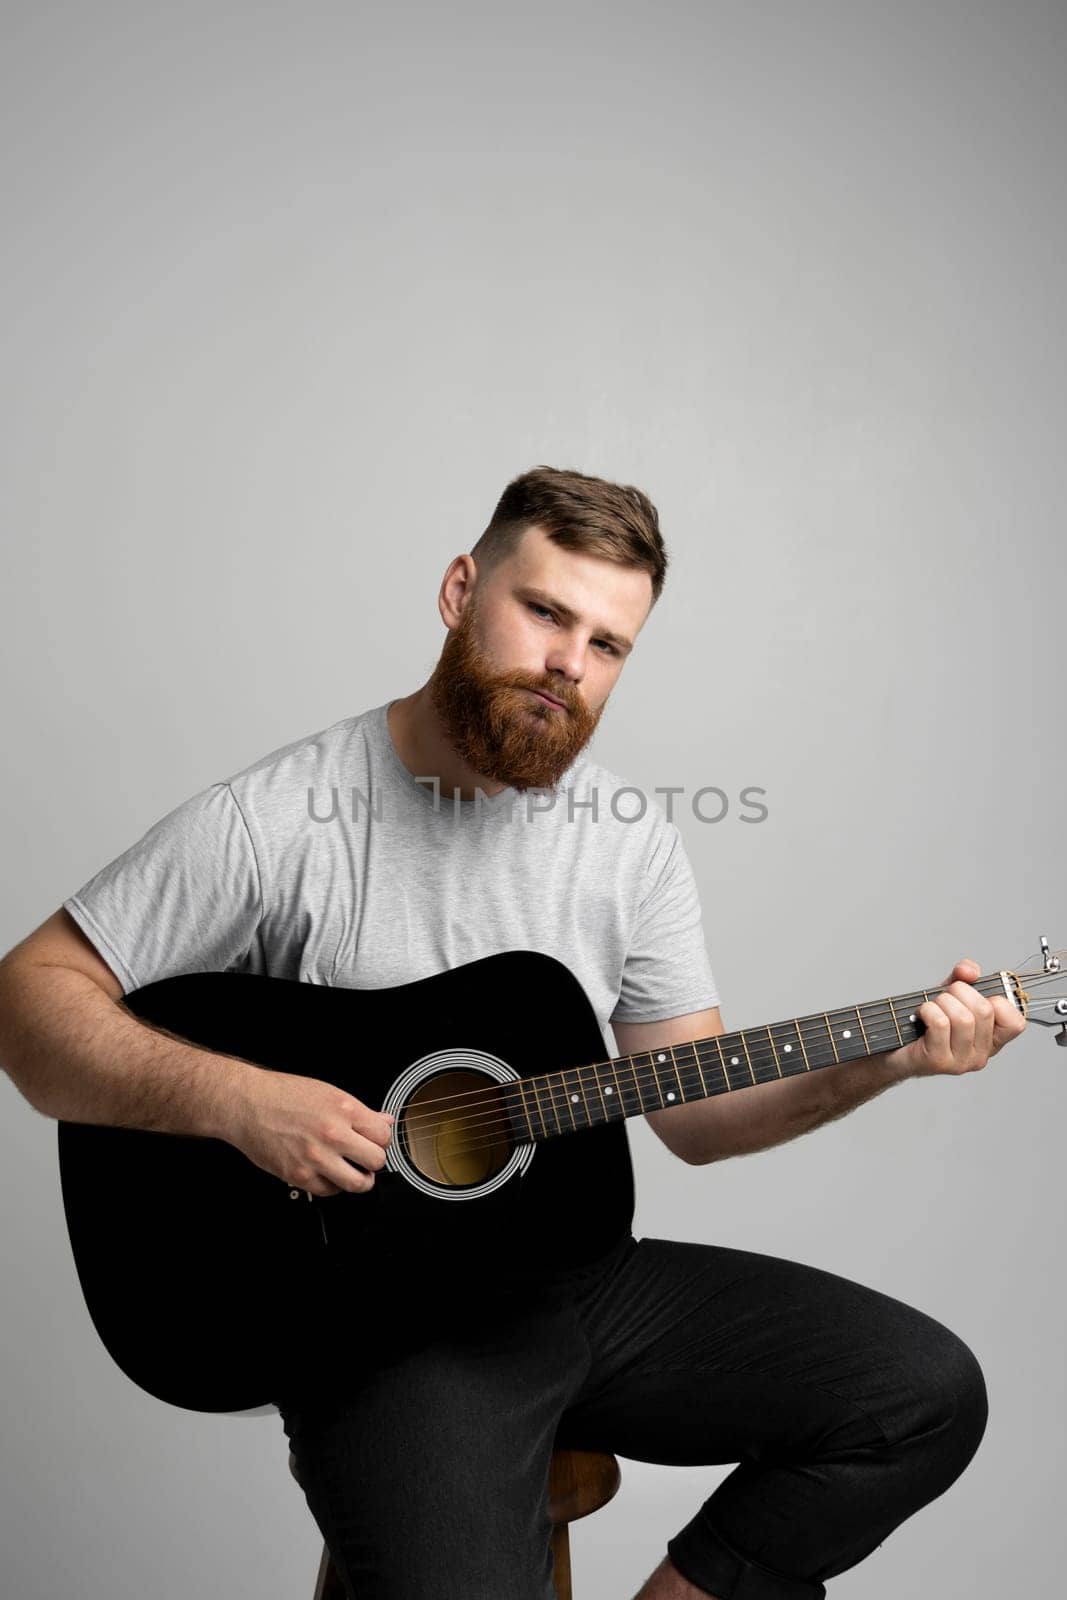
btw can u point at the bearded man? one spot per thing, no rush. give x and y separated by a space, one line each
488 827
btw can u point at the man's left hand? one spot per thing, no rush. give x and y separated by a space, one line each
963 1028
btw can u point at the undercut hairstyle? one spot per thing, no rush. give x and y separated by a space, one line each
579 512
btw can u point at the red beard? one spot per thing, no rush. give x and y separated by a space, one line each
501 730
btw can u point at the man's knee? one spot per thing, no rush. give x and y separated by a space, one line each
953 1406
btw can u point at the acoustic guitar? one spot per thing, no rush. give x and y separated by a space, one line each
216 1286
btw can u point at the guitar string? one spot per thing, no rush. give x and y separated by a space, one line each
765 1070
876 1009
757 1053
874 1014
505 1127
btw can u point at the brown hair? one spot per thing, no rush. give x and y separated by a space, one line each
579 512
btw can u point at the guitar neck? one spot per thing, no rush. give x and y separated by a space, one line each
552 1103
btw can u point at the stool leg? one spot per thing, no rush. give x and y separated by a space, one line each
328 1585
561 1561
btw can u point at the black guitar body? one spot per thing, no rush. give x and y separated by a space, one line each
216 1287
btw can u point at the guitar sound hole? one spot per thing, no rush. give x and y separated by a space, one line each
455 1128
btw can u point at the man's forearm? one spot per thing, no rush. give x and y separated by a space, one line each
79 1056
766 1114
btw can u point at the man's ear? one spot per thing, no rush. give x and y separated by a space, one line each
457 589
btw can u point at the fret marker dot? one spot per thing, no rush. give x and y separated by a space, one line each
912 1017
789 1047
846 1033
661 1057
670 1094
735 1061
608 1090
574 1097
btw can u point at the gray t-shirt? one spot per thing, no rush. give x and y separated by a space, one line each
328 861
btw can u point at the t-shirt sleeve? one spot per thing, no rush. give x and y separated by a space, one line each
185 898
667 972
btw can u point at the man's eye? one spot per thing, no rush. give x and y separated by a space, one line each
608 646
535 607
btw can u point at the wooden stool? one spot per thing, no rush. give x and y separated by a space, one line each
579 1482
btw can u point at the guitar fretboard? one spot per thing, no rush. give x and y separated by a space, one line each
553 1103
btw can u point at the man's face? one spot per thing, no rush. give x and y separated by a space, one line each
545 619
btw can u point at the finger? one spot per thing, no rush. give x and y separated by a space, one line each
951 1024
1008 1022
963 1025
376 1125
354 1147
982 1009
967 995
966 970
937 1038
318 1186
353 1179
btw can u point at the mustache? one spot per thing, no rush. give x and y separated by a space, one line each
551 690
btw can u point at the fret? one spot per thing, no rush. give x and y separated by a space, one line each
663 1061
653 1082
717 1041
740 1067
585 1100
784 1053
686 1063
751 1074
629 1092
611 1106
557 1099
525 1108
721 1064
638 1082
619 1101
846 1038
544 1092
515 1107
572 1095
540 1105
735 1061
882 1030
610 1091
650 1080
896 1024
709 1064
600 1113
657 1081
812 1046
639 1089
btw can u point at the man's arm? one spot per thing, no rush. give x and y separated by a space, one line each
77 1055
762 1114
963 1030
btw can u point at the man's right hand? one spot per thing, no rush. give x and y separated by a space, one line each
306 1132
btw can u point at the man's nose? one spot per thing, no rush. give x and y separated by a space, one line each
567 658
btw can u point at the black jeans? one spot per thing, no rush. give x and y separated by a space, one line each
846 1410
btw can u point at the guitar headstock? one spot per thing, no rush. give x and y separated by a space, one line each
1040 987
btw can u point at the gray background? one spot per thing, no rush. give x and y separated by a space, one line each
290 294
